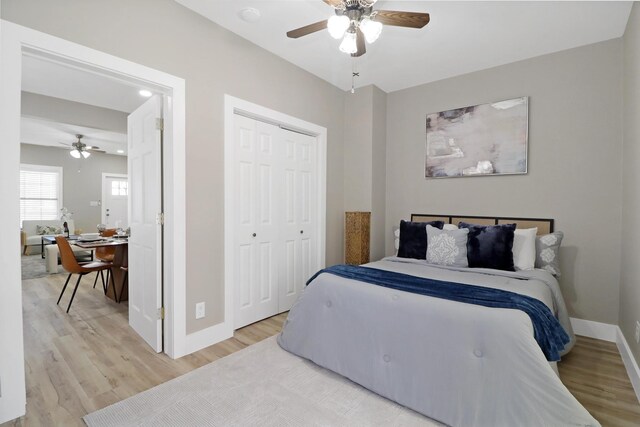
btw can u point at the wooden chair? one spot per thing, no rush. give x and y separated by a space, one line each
125 284
105 255
70 264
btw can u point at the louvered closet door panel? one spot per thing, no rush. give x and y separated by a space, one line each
299 203
256 295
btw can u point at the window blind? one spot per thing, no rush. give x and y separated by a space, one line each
40 197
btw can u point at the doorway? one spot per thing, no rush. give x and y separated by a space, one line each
15 41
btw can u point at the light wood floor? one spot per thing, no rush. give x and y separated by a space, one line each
90 358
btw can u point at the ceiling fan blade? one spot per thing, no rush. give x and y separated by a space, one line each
402 19
362 48
334 3
308 29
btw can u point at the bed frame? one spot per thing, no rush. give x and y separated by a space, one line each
545 225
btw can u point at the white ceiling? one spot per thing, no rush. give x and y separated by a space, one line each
462 36
39 131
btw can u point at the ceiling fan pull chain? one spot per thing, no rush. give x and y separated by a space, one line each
354 74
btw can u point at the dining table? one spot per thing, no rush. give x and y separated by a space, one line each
118 277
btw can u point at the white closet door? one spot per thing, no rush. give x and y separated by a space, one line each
299 200
257 169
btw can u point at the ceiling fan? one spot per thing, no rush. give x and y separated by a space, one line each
355 21
80 149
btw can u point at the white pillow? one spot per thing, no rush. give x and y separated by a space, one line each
396 241
524 248
450 227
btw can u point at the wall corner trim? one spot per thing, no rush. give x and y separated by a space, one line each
611 333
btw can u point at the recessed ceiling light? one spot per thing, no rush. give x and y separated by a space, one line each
120 151
249 14
145 93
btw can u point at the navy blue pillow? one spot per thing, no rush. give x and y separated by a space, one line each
490 246
413 238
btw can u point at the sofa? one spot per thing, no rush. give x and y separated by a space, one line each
30 238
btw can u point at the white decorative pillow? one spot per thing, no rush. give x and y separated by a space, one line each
524 248
447 247
44 230
450 227
396 239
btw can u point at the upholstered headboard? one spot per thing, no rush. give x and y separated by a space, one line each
545 225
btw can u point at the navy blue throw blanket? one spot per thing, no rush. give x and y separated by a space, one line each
548 332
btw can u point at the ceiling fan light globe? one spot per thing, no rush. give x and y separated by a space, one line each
75 154
85 154
337 25
349 44
370 29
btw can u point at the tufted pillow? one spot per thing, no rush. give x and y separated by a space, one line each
43 230
447 247
548 251
413 238
490 246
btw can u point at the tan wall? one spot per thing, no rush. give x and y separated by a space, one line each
575 162
164 35
82 179
630 274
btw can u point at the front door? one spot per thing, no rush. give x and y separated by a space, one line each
115 190
145 207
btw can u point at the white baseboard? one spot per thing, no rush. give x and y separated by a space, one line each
209 336
611 333
597 330
629 362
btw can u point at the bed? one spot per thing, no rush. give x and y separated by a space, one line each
458 363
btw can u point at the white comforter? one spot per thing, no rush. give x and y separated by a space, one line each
461 364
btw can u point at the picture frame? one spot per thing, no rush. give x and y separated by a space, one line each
481 140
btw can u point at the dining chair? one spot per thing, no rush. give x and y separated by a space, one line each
105 255
125 283
72 266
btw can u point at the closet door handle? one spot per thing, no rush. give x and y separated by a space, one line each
254 234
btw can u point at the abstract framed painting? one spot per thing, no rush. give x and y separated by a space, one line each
481 140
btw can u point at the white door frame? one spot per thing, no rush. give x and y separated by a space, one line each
14 41
232 106
103 218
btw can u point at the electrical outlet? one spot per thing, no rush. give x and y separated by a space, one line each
200 310
637 335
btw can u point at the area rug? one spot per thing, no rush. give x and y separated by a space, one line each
259 385
33 266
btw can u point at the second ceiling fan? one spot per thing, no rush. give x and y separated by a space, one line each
355 21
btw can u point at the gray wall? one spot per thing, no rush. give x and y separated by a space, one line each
164 35
82 179
378 173
365 160
630 274
575 162
63 111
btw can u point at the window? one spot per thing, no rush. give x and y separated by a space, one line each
40 192
119 188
